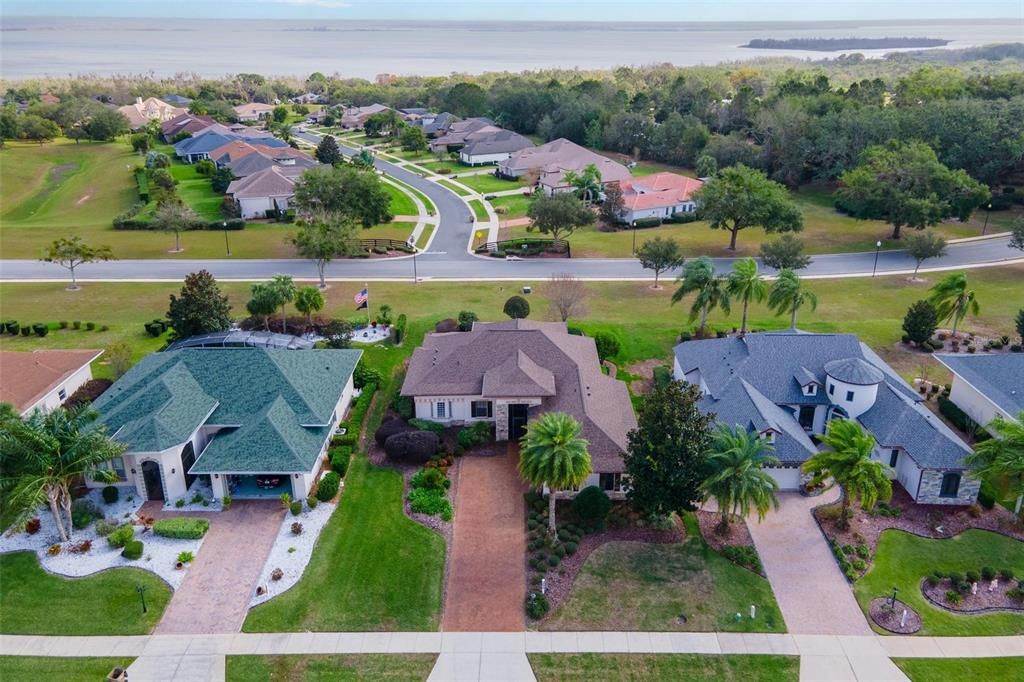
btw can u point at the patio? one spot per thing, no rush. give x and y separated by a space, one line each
259 486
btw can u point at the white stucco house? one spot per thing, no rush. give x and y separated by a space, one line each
986 386
492 148
660 195
786 386
43 379
255 422
270 189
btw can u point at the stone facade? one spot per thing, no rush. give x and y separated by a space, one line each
931 485
500 421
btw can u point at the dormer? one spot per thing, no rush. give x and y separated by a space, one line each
809 384
768 435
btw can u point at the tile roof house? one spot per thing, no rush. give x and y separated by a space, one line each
355 117
184 123
657 196
207 140
142 111
43 379
551 161
786 386
492 147
459 133
268 190
253 111
246 158
511 372
255 422
986 386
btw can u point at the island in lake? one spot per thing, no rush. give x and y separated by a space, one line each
843 44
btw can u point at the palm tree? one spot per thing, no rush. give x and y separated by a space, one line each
1002 457
552 454
738 481
699 276
309 300
265 300
51 452
284 285
587 182
747 285
788 294
848 462
952 299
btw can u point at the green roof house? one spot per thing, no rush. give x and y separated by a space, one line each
255 422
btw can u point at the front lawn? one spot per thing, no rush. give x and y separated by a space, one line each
448 184
401 203
400 231
904 560
443 166
65 669
663 667
517 205
479 211
485 184
950 669
34 602
323 668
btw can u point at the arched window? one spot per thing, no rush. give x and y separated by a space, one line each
950 485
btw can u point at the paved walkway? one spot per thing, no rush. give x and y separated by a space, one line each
812 593
214 596
487 575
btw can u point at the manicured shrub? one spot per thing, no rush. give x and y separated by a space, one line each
41 330
104 528
295 507
608 345
83 512
570 548
859 564
537 605
415 446
955 578
1006 574
476 434
328 486
182 528
953 597
934 580
90 326
133 550
110 494
26 330
404 406
390 428
427 425
121 536
428 479
553 561
77 324
988 573
591 503
311 502
986 497
973 577
430 502
517 308
339 459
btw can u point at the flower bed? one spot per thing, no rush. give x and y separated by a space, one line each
1006 595
888 617
736 545
291 552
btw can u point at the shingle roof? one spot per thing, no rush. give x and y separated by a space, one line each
500 142
558 156
272 181
999 377
26 377
564 370
189 123
252 109
854 371
277 405
217 135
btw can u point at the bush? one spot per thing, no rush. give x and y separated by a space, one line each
476 434
295 507
428 479
608 345
182 528
430 502
32 526
517 307
413 446
390 428
104 528
358 413
987 573
26 330
570 548
863 552
364 375
399 328
121 536
591 503
427 425
339 459
973 577
83 512
328 486
646 222
466 320
1006 574
953 597
296 528
955 415
986 497
312 502
41 330
446 325
133 550
404 406
537 605
110 494
859 564
934 580
186 557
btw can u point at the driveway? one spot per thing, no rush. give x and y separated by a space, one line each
487 572
214 596
812 593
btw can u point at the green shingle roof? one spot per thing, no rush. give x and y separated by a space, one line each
277 405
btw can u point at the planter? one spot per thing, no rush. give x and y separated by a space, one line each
179 565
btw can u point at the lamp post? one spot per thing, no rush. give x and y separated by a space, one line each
417 252
878 248
894 591
227 247
988 211
142 595
634 237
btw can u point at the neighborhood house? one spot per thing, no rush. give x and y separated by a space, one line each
786 386
253 111
492 147
355 117
265 191
986 386
142 111
551 161
254 422
661 195
43 379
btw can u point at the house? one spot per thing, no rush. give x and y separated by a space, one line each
552 160
184 123
434 125
786 386
200 145
492 147
460 132
178 100
355 117
510 372
43 379
657 196
986 386
253 111
142 111
254 422
309 98
266 191
411 114
245 159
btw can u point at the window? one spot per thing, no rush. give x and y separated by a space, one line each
831 389
893 456
610 481
849 396
117 464
440 410
482 409
62 394
950 485
807 417
811 389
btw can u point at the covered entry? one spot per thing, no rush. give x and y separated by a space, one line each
259 485
153 481
517 418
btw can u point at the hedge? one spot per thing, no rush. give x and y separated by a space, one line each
399 328
327 488
646 222
956 415
340 457
142 182
182 528
358 413
131 223
133 550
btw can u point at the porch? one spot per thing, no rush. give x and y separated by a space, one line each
259 486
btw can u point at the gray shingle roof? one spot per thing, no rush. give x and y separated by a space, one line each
854 371
503 141
999 377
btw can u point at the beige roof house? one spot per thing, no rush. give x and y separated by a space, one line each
270 189
43 378
553 159
355 117
253 111
150 109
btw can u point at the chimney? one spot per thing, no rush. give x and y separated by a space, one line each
138 100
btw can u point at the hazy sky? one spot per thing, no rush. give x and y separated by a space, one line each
552 10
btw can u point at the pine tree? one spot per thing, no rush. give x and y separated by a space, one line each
327 151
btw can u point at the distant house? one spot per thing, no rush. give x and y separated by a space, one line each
265 191
355 117
184 123
433 125
253 111
43 379
492 147
986 386
245 159
200 145
142 111
309 98
252 422
47 98
658 196
459 133
786 386
508 373
178 100
551 161
411 114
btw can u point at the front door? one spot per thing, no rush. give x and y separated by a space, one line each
517 416
151 475
188 458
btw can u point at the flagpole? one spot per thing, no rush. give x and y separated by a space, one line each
366 285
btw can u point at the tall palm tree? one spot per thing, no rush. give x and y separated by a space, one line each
952 299
788 293
848 463
309 300
264 301
746 284
587 182
284 285
699 276
52 451
1002 457
738 481
552 454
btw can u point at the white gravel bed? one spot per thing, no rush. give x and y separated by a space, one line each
371 334
292 563
199 493
159 554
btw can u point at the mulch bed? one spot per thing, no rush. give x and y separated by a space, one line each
889 618
996 600
738 535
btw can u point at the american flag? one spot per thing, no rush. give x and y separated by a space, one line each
362 297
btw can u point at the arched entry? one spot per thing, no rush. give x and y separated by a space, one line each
154 484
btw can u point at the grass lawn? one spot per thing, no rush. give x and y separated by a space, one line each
399 231
903 560
431 209
34 602
455 188
66 669
196 191
450 165
424 239
517 205
411 156
321 668
486 184
949 669
641 586
401 203
479 211
663 667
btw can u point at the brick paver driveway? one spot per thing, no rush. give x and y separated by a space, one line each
812 593
214 596
487 575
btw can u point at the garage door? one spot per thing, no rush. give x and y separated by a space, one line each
788 479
